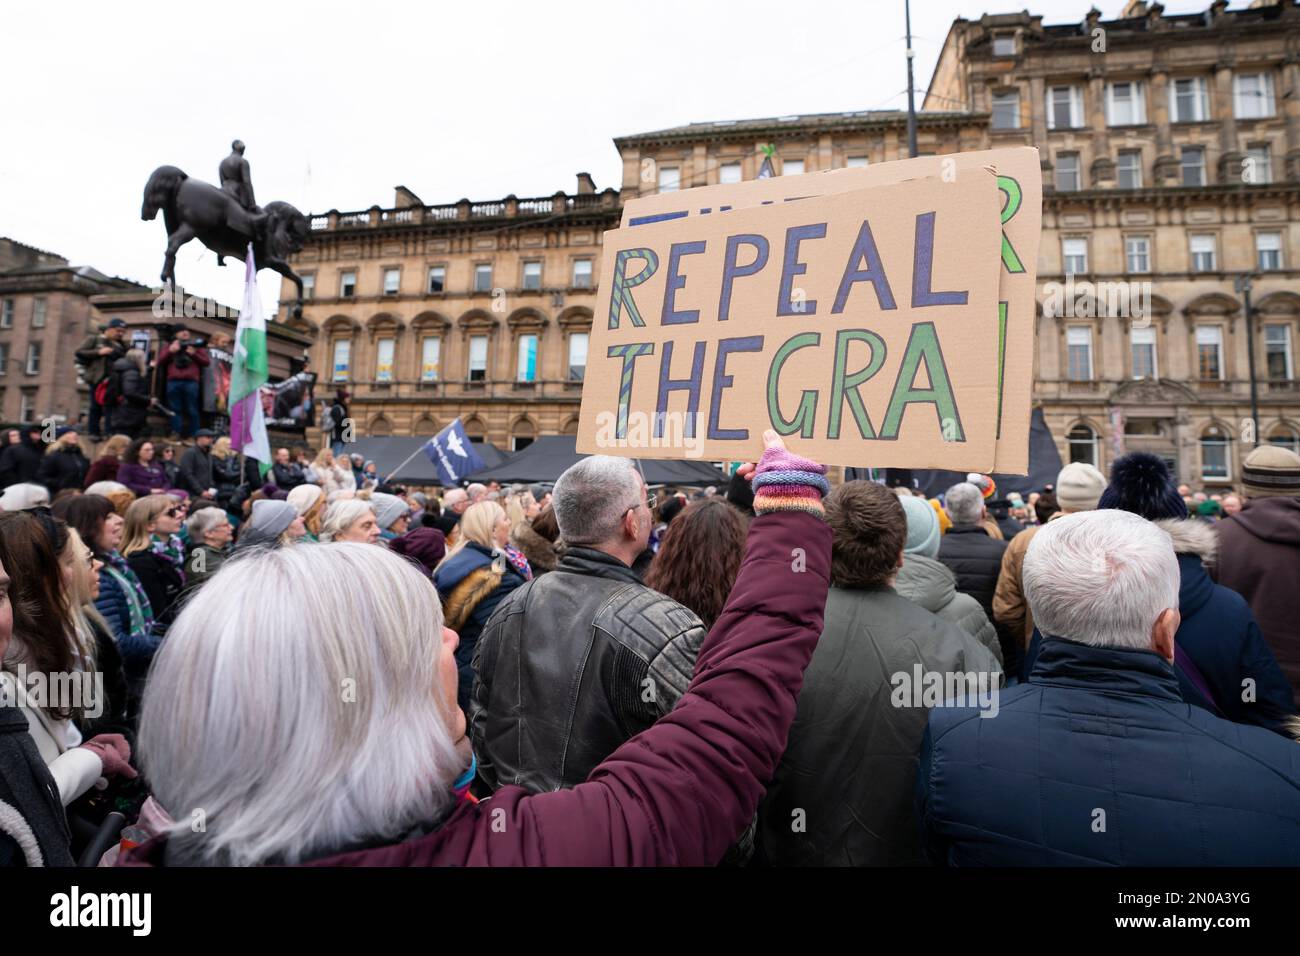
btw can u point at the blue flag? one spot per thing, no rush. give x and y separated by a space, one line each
452 454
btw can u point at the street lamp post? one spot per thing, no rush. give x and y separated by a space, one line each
911 106
1242 285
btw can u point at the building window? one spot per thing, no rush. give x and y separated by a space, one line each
1189 100
430 358
532 275
577 356
1193 165
392 281
7 314
670 179
1129 169
1083 445
342 360
1126 104
4 358
308 287
1268 251
1277 352
1209 353
39 308
792 167
1064 107
1137 253
1258 168
1074 256
1067 172
1286 438
526 364
483 277
33 358
1078 350
1006 110
384 361
1214 455
347 285
478 358
1203 257
1004 45
27 409
582 273
856 162
1253 95
729 173
437 279
1143 346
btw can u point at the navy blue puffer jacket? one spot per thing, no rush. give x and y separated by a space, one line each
1098 761
470 592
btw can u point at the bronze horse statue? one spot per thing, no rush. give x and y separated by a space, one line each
193 209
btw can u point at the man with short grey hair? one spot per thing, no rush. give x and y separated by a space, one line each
577 661
477 492
1097 759
975 559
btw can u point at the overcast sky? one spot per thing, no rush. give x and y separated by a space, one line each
339 102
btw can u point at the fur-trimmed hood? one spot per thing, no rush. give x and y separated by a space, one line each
1192 536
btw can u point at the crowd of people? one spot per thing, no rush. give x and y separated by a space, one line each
333 669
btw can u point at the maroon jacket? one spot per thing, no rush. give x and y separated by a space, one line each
102 469
191 372
681 792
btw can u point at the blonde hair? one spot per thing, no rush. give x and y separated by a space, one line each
142 513
325 769
342 515
114 446
221 448
476 525
515 509
80 607
320 461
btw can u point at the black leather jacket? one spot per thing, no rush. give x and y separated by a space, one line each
570 666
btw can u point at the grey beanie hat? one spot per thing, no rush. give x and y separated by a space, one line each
269 520
388 508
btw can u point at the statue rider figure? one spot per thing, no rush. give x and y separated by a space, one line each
237 180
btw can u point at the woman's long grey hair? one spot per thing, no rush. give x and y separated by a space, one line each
296 708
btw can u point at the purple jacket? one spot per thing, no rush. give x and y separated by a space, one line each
681 792
142 479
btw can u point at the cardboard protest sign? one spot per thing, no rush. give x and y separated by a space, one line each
1020 183
862 326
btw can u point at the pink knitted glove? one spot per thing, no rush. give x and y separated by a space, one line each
114 753
784 481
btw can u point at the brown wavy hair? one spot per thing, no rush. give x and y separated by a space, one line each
30 545
699 557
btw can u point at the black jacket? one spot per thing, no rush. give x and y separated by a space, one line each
133 397
196 472
114 718
65 468
572 665
33 827
975 560
162 584
287 477
19 463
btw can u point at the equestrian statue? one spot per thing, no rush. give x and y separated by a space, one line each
225 220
